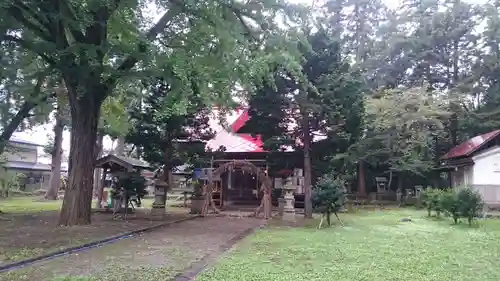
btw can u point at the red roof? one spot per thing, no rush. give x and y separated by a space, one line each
230 139
468 147
240 122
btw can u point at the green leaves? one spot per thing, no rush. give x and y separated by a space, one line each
401 124
329 195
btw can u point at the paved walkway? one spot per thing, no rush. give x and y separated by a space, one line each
160 254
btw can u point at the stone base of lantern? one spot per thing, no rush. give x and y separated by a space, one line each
289 208
281 206
289 216
158 209
158 212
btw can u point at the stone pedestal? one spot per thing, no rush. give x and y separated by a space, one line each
289 208
158 208
281 206
197 205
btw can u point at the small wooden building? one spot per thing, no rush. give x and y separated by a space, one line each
114 165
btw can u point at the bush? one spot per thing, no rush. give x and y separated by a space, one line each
329 197
197 189
462 203
470 204
451 205
432 198
9 182
130 186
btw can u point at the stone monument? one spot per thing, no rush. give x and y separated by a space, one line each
289 208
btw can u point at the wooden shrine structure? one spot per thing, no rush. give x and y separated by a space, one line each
262 178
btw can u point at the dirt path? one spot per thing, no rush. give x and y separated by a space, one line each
158 255
24 236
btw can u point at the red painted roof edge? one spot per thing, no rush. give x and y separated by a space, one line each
490 135
240 121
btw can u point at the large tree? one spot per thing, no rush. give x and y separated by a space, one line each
96 45
164 135
401 125
26 91
322 101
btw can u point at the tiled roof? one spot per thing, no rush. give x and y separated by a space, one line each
23 141
227 137
121 160
28 166
468 147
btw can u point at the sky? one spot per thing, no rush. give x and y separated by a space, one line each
40 134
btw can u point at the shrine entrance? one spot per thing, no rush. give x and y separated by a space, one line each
255 175
241 185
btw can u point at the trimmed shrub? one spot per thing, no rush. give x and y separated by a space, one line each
432 198
470 204
451 205
462 203
329 197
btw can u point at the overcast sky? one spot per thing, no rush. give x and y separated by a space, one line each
41 134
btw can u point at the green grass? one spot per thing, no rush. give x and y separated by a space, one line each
28 205
373 246
31 204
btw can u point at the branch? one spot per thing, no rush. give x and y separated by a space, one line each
240 14
131 60
17 13
68 13
29 46
23 113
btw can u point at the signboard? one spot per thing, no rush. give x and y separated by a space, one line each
197 173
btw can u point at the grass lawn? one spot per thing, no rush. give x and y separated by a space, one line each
28 204
32 204
373 246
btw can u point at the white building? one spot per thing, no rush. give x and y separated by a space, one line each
476 163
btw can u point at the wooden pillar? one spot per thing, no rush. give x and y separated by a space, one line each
361 180
100 189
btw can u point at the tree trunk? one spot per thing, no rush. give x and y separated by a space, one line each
76 208
98 184
167 169
308 211
361 180
55 174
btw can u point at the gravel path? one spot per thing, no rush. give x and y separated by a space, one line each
158 255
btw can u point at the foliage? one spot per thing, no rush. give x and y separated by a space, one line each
319 115
100 47
165 136
433 198
451 204
130 185
462 203
329 196
400 127
332 99
471 203
197 189
9 181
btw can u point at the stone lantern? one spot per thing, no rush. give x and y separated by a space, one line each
158 208
289 208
